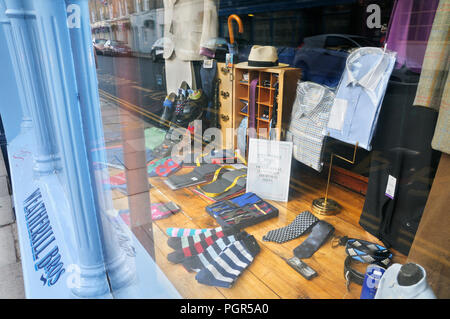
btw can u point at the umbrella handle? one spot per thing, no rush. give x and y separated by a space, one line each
230 27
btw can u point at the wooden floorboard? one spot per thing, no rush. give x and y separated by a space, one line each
268 276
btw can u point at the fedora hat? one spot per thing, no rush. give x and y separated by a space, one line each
262 57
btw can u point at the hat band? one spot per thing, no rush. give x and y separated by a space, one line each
262 63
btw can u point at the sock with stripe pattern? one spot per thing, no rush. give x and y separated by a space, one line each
211 235
199 261
181 232
229 265
180 255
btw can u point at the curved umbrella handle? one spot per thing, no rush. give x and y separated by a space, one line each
230 27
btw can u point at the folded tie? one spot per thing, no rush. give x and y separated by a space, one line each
301 224
320 233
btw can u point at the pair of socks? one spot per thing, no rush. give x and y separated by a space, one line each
224 270
192 246
217 262
182 232
210 236
198 261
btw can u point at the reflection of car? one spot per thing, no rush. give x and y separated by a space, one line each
158 49
321 66
115 48
322 58
342 42
98 45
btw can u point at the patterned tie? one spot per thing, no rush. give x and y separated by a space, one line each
298 227
252 110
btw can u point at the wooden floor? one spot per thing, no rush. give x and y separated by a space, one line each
268 276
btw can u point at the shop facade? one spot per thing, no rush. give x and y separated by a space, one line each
266 150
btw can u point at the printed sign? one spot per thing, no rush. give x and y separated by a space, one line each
269 169
47 258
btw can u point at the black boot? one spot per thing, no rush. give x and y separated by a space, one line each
169 107
180 101
193 108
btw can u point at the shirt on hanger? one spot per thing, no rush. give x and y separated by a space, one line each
359 96
308 123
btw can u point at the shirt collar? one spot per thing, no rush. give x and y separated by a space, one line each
310 99
373 77
406 292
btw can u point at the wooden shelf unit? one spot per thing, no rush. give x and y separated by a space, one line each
226 97
287 79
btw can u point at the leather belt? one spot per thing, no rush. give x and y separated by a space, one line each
350 274
361 251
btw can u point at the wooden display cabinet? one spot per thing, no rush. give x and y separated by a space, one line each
287 79
226 114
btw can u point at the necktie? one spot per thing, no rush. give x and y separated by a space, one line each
320 233
298 227
252 102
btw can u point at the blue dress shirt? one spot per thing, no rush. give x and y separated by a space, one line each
389 288
359 96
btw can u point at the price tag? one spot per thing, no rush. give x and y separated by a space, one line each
390 188
207 64
337 114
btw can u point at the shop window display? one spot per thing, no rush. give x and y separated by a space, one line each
179 91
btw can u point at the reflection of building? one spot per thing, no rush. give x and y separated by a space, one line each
110 19
138 23
147 27
285 23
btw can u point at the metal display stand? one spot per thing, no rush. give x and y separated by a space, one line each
325 205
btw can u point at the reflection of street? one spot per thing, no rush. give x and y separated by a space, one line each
138 82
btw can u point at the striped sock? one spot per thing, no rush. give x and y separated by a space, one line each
179 256
229 265
211 235
199 261
181 232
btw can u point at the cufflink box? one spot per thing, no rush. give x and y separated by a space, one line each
229 213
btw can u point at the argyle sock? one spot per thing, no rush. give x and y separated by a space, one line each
209 236
180 255
229 265
301 224
180 232
199 261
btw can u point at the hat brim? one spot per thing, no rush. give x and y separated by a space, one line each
244 65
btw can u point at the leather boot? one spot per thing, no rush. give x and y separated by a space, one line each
169 106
